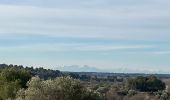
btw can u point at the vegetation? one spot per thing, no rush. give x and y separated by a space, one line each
62 88
24 83
40 72
145 84
11 80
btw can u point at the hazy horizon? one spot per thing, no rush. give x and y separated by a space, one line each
129 35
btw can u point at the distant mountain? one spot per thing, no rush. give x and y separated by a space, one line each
86 68
76 68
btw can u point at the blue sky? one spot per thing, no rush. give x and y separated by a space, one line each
114 35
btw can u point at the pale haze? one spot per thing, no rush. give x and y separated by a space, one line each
106 35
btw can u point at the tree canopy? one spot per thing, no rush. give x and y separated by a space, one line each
61 88
11 80
145 84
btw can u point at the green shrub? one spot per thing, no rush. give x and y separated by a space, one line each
61 88
145 84
11 80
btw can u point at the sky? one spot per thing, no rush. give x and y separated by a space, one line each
113 35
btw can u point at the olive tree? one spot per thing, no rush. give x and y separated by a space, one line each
61 88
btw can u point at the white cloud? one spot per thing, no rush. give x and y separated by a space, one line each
111 47
72 47
128 22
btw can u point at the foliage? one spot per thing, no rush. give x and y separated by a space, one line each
48 84
61 88
145 84
162 95
92 95
115 93
131 92
41 72
168 89
11 80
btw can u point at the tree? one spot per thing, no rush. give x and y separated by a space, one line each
11 80
145 84
61 88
